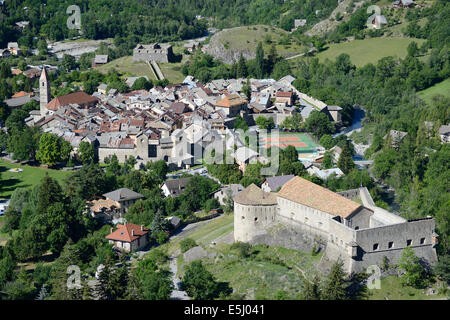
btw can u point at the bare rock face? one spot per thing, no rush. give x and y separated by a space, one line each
217 49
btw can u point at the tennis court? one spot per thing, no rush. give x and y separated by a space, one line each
302 142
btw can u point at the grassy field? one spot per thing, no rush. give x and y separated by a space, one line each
371 50
172 71
247 38
128 67
125 65
30 176
442 88
392 289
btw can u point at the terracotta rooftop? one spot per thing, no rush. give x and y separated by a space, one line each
230 101
284 94
128 232
81 98
314 196
253 195
22 94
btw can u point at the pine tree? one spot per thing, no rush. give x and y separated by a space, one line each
345 162
242 71
50 192
312 290
336 283
272 58
260 62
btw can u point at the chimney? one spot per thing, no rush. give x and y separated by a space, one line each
132 232
142 227
111 230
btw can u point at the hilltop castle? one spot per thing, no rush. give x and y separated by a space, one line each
302 214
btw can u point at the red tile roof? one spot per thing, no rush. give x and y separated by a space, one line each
284 94
125 232
305 192
81 98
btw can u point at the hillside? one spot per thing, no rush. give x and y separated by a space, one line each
370 50
442 88
229 44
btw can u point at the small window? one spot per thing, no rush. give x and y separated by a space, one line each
375 247
243 218
356 228
390 244
408 242
422 240
256 219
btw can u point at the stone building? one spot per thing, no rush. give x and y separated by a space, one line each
44 89
159 52
306 213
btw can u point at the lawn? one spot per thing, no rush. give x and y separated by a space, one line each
371 50
128 67
30 176
442 88
125 65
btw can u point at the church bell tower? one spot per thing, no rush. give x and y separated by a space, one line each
44 89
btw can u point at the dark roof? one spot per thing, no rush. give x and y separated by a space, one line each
123 194
177 186
278 181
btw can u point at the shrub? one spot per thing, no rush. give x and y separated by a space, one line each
242 248
187 244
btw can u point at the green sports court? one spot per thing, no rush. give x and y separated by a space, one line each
302 142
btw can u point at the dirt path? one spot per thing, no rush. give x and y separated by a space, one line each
176 294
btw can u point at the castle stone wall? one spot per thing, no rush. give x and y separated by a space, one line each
317 220
250 221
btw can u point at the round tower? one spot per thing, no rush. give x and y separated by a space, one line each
254 211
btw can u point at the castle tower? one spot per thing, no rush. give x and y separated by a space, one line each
44 89
254 211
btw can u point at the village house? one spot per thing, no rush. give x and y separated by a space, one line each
124 198
13 47
99 59
129 237
231 105
396 137
230 190
273 184
174 187
283 99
